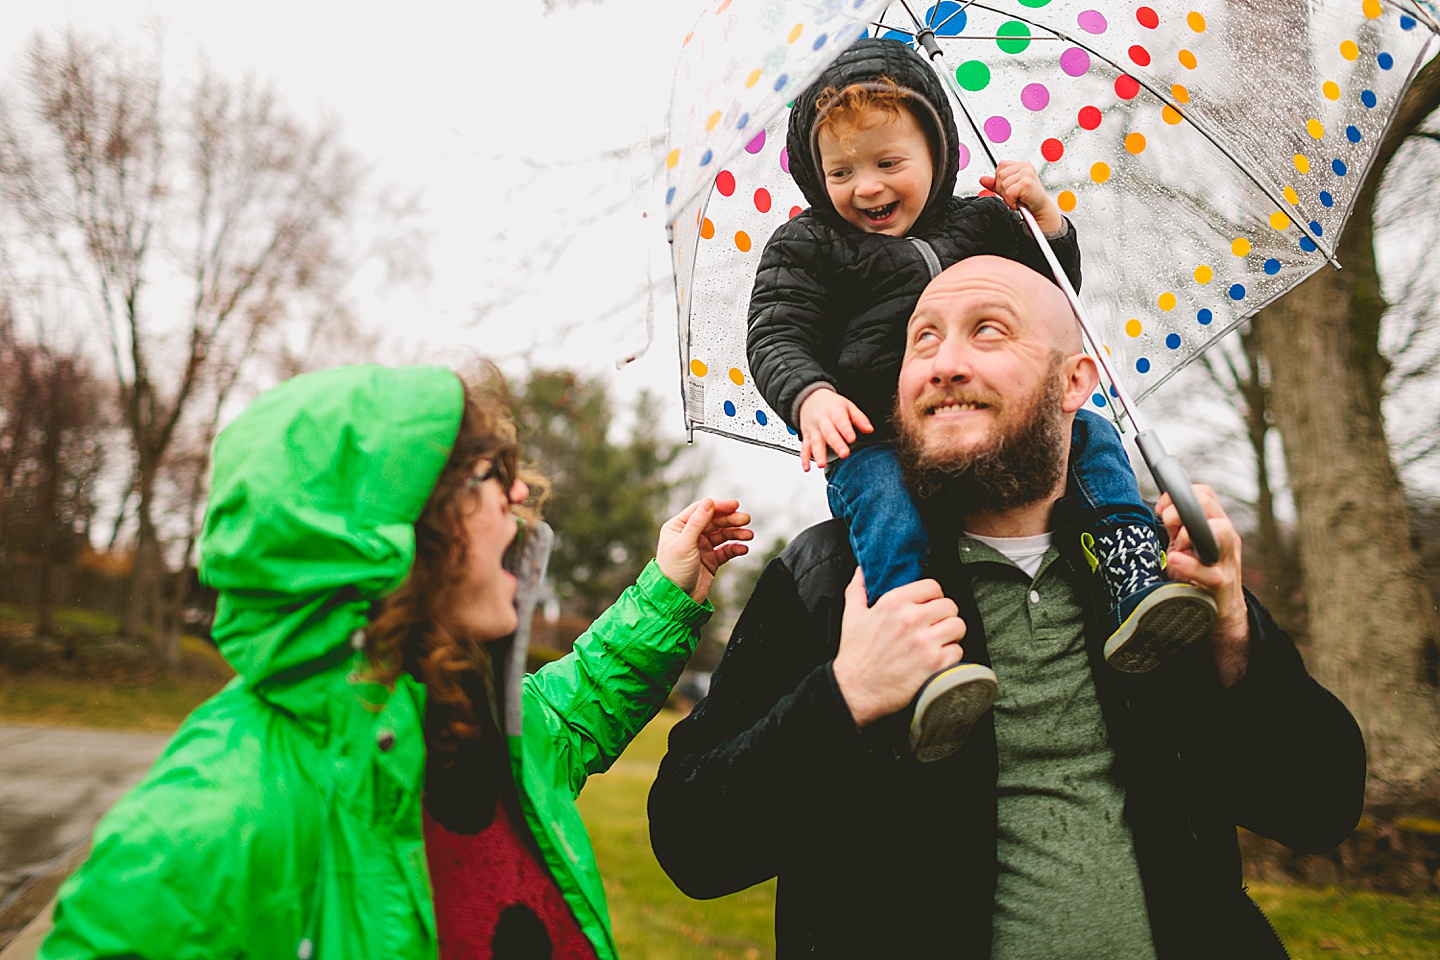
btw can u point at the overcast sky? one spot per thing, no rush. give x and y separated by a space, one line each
515 127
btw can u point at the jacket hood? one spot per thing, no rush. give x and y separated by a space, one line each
867 61
315 490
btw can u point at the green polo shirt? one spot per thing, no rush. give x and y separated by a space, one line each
1068 886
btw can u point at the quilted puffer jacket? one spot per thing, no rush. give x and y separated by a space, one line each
830 301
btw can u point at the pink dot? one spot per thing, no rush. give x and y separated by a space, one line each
757 144
785 159
1075 62
997 129
725 183
762 200
1035 96
964 152
1092 21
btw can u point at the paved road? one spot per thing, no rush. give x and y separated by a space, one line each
55 784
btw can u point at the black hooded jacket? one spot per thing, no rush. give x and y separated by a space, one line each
831 301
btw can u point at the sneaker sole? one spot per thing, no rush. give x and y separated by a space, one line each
1172 617
947 707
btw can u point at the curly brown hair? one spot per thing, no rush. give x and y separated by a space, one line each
409 632
840 112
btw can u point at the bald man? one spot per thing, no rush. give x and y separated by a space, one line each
1092 814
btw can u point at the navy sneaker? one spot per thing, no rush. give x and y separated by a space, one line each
947 707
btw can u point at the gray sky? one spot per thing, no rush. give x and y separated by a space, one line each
515 127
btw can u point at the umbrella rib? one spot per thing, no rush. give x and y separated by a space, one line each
1215 139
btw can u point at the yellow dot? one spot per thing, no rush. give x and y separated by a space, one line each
1170 115
1204 274
1100 172
1291 196
1107 348
753 79
1371 8
1066 201
1279 220
1187 59
737 377
1135 142
698 368
707 228
1196 22
1132 327
1241 247
672 159
1349 50
714 119
1331 89
1180 94
1315 128
795 32
1302 163
1167 301
742 241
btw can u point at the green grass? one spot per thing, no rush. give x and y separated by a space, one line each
652 919
1335 924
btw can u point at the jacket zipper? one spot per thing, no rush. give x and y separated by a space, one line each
927 253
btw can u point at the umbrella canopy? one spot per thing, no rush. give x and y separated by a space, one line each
1209 153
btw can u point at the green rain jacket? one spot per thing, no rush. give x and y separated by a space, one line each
284 818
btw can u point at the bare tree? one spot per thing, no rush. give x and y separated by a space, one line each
190 223
1372 624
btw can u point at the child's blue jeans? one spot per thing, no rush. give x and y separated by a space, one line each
867 490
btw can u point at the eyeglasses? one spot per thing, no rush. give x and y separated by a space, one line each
500 467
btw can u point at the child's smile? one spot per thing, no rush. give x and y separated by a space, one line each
879 174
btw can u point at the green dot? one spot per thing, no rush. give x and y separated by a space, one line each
1034 4
1016 30
973 75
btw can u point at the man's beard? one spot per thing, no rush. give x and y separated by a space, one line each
1019 465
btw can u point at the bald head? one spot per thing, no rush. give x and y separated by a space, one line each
988 282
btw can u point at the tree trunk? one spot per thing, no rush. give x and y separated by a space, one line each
1372 623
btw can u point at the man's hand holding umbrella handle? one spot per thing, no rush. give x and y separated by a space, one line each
889 650
1230 639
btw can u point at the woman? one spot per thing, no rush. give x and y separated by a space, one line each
377 738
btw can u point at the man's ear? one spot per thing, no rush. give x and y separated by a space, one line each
1081 379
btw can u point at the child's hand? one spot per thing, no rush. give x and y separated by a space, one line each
1016 183
828 420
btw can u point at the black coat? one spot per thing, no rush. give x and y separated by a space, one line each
830 302
880 856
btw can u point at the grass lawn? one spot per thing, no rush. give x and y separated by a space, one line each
652 919
1341 924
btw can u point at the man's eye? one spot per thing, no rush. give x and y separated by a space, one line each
924 335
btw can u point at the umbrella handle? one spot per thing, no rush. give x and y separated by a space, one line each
1171 478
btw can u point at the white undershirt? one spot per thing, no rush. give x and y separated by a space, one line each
1025 552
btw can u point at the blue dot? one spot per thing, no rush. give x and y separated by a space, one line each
708 156
1368 98
729 409
781 80
864 35
900 35
1115 392
1272 266
1308 245
1237 292
1352 133
1339 167
820 41
1173 341
947 18
760 417
744 119
1326 199
1407 23
1204 316
1385 60
670 195
791 430
1142 365
1098 399
859 4
1316 229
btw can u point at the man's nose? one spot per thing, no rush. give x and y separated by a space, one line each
952 362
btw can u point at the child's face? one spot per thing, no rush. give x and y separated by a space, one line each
879 175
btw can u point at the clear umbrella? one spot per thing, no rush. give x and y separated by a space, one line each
1209 151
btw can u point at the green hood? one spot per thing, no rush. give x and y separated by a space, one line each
315 491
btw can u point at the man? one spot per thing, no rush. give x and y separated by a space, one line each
1092 814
